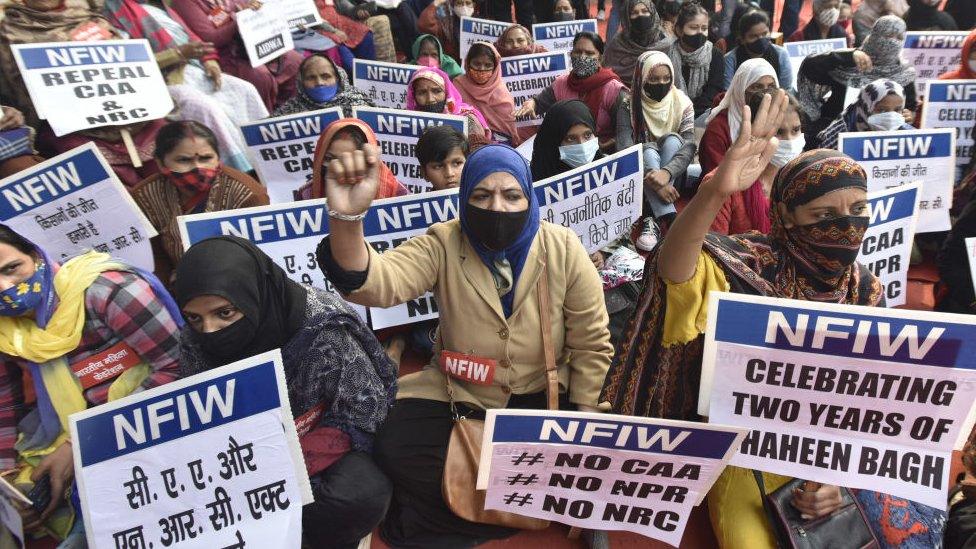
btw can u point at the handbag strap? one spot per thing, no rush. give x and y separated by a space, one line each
770 516
552 376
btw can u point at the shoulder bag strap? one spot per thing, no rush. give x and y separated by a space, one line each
552 377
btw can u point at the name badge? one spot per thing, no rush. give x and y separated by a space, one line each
218 17
470 368
89 32
106 365
305 422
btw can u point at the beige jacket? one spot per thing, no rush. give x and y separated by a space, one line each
472 320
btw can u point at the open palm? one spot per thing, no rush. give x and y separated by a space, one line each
753 149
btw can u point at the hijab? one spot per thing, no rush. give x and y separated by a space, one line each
455 103
238 271
531 48
389 185
963 72
883 45
623 51
855 117
347 96
655 119
491 98
558 120
734 100
446 62
489 159
590 89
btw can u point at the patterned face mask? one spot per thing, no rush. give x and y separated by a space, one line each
196 180
480 77
584 67
25 296
831 245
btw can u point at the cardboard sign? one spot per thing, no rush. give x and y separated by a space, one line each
9 516
602 471
299 14
887 245
72 203
902 156
526 76
282 149
558 37
79 86
952 104
211 460
265 33
932 53
798 51
386 83
864 397
478 30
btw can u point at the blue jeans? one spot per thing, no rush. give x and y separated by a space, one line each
656 155
365 50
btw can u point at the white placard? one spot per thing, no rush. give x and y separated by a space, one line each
386 83
72 203
798 51
82 85
558 36
902 156
265 33
932 53
299 14
971 256
9 516
952 104
478 30
211 460
526 76
887 245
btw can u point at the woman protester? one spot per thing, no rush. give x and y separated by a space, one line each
967 61
430 90
322 85
442 18
598 87
481 87
517 40
641 31
340 137
754 43
484 269
354 39
238 303
826 14
192 179
427 52
566 140
869 11
820 214
879 107
56 319
699 65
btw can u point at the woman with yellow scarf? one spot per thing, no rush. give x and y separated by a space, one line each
72 336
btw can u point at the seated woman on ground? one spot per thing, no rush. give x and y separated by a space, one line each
322 85
427 52
342 136
879 107
482 87
430 90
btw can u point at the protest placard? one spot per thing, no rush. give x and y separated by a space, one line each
386 83
79 86
299 14
478 30
602 471
798 51
932 53
864 397
212 460
10 499
397 132
901 156
265 33
72 203
971 255
887 244
952 104
558 36
526 76
281 149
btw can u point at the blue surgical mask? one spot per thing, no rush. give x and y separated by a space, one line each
321 94
25 296
579 154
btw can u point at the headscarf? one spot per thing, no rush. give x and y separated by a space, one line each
238 271
558 120
922 17
447 63
389 185
697 62
590 89
455 103
489 159
347 96
963 72
654 119
622 51
491 98
531 48
855 117
734 100
883 45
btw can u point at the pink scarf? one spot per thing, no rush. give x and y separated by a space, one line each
455 103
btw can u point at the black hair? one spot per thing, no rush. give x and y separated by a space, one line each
352 133
668 10
756 101
750 19
11 238
171 134
689 11
437 142
478 49
592 37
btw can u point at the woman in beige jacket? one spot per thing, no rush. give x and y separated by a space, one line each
483 269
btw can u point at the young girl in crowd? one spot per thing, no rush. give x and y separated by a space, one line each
826 14
879 107
754 43
343 136
641 31
517 40
566 140
427 52
55 318
322 85
430 90
484 269
699 65
191 179
481 87
238 303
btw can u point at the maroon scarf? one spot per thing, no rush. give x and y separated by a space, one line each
584 86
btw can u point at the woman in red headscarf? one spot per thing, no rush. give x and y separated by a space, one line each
967 61
347 135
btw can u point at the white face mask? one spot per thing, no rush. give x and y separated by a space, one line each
787 150
829 17
886 121
464 11
579 154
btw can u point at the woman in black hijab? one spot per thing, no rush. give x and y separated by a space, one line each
566 140
238 303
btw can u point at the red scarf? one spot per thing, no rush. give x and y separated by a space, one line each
594 82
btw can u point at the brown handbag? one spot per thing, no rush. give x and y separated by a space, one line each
464 447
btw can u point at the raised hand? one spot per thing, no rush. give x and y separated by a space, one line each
753 149
351 181
527 109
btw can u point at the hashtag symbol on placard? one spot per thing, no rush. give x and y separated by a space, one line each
519 478
527 459
518 499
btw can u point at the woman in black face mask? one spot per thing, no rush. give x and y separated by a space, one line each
431 90
642 31
699 67
754 42
484 269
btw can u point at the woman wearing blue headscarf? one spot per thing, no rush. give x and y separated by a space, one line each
483 270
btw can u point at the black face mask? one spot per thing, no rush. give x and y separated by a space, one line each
693 41
758 47
564 16
640 26
657 91
229 343
436 108
495 230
